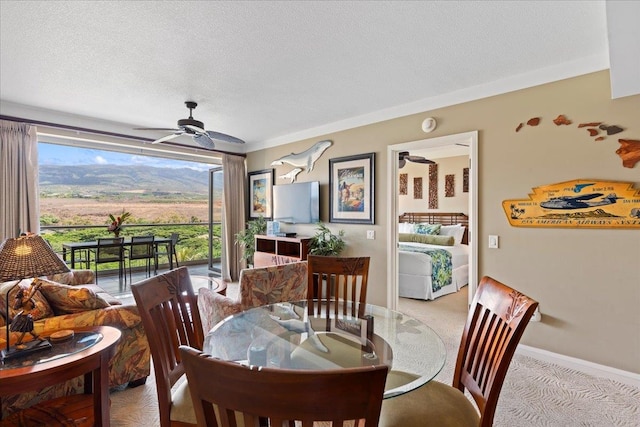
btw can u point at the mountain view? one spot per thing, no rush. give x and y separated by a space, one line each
87 194
95 180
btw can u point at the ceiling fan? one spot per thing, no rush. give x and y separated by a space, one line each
403 156
195 128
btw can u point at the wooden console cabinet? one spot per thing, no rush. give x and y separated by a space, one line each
273 250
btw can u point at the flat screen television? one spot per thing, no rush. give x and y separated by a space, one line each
297 203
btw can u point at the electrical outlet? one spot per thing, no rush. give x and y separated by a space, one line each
493 242
371 234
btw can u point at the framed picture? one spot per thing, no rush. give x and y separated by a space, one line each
260 194
351 189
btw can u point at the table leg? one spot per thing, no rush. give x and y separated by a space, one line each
100 385
170 255
73 258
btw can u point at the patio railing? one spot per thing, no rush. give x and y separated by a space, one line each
192 247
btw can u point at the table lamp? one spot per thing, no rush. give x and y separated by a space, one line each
28 256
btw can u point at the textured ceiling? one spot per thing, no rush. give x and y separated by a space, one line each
268 71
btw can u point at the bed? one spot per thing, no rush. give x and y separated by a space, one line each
429 265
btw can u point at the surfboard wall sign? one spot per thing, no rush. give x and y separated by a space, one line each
580 203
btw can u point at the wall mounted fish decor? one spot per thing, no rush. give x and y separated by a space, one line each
305 159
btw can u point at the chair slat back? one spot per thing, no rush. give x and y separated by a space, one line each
169 311
497 319
109 250
282 395
337 283
142 247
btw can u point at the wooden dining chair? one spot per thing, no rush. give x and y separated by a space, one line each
251 393
169 312
497 318
337 279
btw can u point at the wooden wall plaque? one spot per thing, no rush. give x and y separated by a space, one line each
579 203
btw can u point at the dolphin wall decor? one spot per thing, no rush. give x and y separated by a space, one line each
305 159
291 175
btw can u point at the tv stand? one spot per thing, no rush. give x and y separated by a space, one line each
275 250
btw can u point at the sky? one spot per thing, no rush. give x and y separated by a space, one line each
52 154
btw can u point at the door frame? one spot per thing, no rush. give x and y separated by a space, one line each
210 260
470 138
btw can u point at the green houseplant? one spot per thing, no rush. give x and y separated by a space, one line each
246 238
324 242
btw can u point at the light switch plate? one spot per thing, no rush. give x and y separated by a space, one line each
371 234
493 242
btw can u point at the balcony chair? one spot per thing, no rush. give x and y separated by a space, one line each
252 393
142 248
497 318
110 250
257 287
168 307
169 251
334 279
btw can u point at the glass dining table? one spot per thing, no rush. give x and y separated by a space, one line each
287 336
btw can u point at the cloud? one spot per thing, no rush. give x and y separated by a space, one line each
100 160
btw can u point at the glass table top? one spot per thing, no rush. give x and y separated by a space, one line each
285 335
59 349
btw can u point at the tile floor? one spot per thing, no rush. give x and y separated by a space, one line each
108 280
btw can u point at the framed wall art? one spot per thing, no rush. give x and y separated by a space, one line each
417 188
404 180
351 189
449 185
260 194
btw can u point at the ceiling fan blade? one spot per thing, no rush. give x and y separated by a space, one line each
401 163
224 137
418 159
204 141
168 137
163 129
197 130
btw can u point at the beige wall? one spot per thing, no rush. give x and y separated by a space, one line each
446 166
587 281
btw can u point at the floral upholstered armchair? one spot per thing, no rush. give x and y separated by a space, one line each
71 300
257 286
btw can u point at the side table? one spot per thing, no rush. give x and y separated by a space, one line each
59 364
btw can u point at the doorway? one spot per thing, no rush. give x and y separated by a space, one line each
469 139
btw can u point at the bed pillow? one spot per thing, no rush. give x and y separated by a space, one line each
429 239
426 228
457 231
406 227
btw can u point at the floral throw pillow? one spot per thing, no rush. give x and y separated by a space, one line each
425 228
42 307
66 299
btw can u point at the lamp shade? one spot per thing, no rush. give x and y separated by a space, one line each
28 256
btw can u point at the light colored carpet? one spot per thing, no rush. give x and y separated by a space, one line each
535 393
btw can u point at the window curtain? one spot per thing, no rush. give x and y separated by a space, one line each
19 210
233 220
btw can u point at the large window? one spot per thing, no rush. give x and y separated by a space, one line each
80 187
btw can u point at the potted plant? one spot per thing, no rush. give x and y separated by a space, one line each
246 238
325 243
